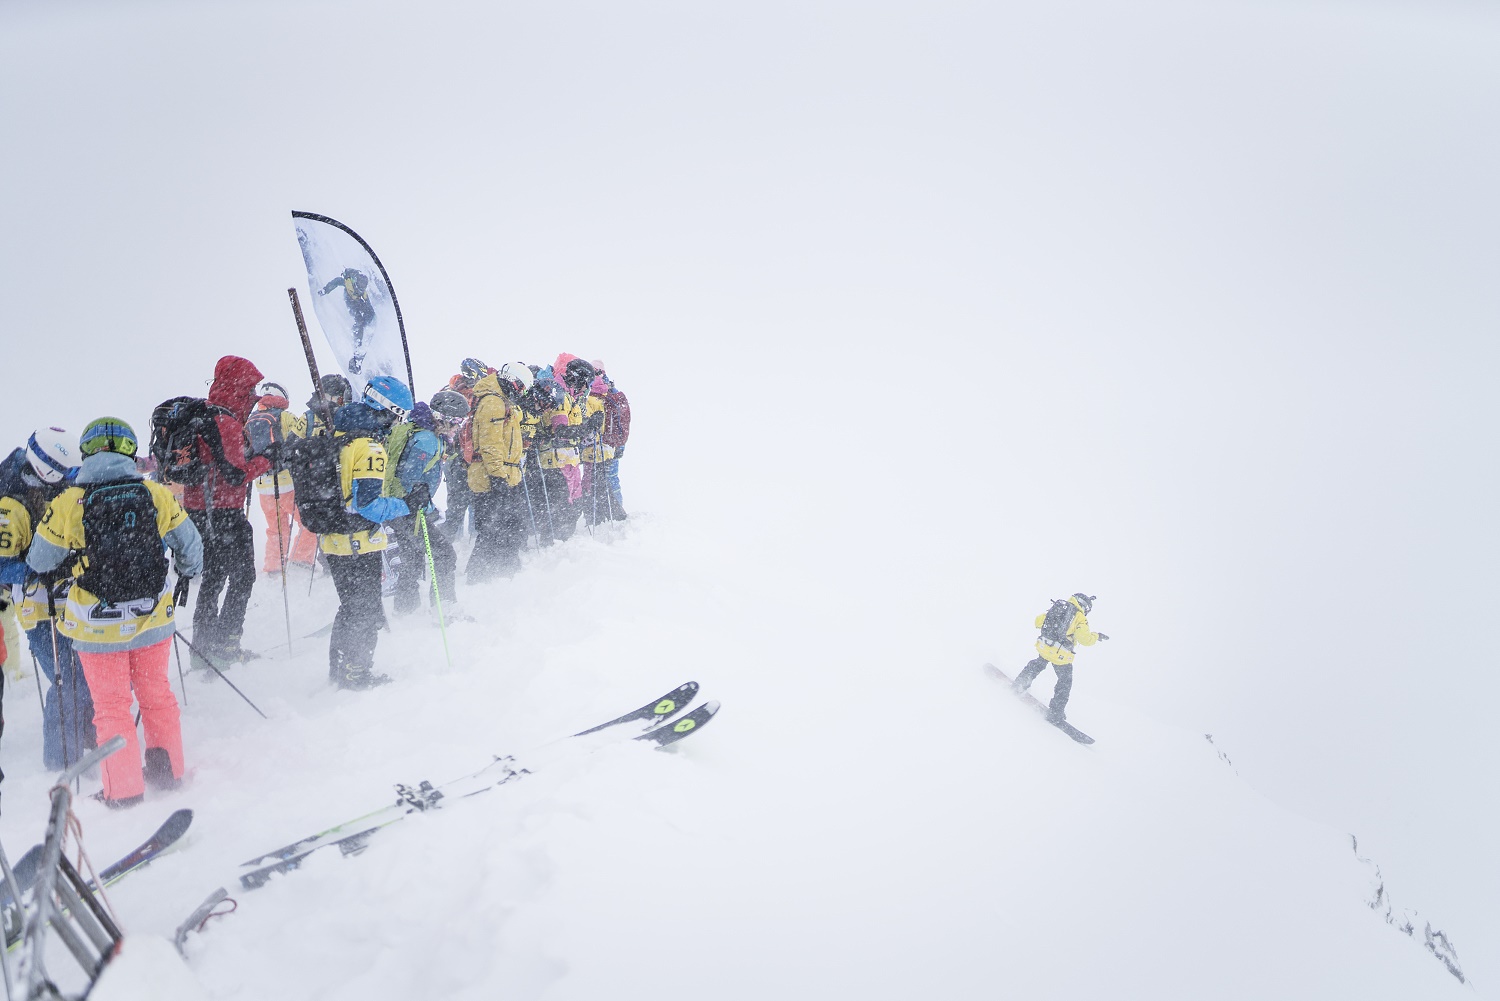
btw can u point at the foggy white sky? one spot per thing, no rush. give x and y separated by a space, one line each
1192 306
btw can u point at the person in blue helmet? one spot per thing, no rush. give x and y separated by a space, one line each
353 556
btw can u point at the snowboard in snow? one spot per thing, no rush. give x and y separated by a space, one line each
1035 703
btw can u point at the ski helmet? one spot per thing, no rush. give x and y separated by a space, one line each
334 390
449 405
50 452
473 369
107 434
578 375
1087 601
273 389
386 392
515 377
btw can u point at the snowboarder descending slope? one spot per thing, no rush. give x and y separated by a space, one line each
1063 625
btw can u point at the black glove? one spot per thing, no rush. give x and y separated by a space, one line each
595 423
418 497
1101 636
180 592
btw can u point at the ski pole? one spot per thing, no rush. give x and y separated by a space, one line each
530 511
546 495
286 604
36 669
609 492
594 487
62 723
252 705
181 678
77 668
437 593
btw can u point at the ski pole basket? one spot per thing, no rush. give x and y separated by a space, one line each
64 902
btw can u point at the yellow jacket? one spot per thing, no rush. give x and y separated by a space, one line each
498 452
566 455
92 626
1078 632
596 451
15 539
360 459
292 426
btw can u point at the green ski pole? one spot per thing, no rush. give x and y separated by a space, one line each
437 594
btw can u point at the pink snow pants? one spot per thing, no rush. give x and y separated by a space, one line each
111 676
278 542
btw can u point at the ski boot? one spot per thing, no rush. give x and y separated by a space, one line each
158 769
361 679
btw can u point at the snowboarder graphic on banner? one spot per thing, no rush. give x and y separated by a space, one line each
1063 626
357 299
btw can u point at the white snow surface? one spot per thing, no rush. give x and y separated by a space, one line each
928 313
870 815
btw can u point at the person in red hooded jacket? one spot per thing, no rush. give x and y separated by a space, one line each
218 509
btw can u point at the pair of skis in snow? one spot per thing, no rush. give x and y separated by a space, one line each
652 724
1035 703
661 723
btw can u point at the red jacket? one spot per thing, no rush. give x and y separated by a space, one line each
235 381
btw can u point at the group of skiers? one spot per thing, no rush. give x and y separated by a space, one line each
86 525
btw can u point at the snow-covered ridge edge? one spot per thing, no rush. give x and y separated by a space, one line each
1404 920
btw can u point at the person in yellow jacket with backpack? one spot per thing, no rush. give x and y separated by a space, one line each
120 611
494 476
1063 626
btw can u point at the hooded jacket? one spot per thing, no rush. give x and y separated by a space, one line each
233 389
497 437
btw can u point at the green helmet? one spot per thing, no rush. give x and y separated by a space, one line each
107 434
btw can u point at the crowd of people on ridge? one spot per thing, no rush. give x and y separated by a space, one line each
87 523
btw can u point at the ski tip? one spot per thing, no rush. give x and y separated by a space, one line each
671 733
675 700
180 820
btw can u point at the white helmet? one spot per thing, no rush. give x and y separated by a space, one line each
517 374
51 452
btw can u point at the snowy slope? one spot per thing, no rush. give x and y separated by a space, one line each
928 312
869 819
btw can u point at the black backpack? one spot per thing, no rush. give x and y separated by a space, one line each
263 434
1055 625
314 464
124 559
176 428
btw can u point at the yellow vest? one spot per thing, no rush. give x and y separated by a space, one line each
555 458
85 618
361 459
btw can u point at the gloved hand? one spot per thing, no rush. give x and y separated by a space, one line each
1102 637
418 497
180 592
